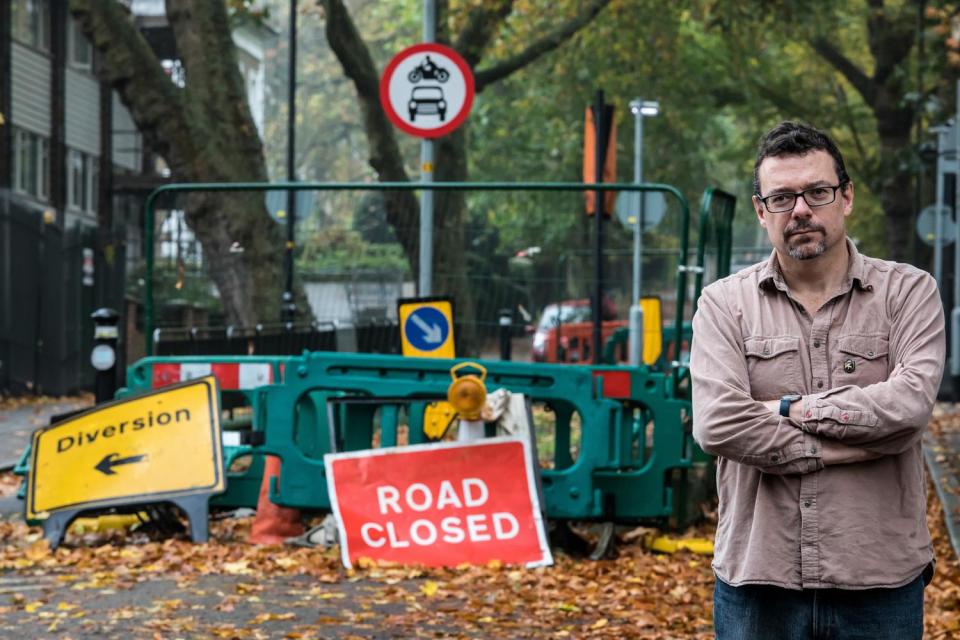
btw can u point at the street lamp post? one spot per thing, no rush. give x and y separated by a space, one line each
288 307
640 108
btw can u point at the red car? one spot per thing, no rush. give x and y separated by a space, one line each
565 331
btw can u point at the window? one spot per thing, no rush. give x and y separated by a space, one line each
79 48
31 23
83 174
31 164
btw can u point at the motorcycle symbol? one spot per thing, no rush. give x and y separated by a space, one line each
427 69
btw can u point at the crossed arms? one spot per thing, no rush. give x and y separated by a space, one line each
843 425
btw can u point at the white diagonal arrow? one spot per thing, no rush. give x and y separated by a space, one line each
431 333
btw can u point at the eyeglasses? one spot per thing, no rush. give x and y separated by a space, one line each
814 197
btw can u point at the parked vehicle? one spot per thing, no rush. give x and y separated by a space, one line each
565 330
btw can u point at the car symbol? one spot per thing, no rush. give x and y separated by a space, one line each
427 101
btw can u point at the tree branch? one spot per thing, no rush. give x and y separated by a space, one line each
481 25
890 42
357 63
860 81
548 43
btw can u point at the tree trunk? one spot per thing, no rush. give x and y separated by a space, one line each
205 133
450 239
894 127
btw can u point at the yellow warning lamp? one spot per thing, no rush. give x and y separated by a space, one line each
467 393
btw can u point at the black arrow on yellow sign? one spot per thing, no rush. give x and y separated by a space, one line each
112 460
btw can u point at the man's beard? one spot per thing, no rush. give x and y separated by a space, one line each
807 250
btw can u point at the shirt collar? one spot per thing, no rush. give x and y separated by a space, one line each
772 276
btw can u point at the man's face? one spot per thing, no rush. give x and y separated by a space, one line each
805 232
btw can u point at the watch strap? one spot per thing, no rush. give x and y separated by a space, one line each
785 403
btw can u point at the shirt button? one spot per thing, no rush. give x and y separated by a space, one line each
816 344
869 354
819 384
775 458
813 450
806 503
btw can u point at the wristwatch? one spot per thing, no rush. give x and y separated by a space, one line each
785 403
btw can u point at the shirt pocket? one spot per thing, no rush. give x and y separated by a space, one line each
773 366
861 360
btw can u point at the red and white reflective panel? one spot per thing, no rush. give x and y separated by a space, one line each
230 375
439 504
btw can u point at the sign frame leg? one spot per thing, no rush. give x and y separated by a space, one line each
196 508
55 527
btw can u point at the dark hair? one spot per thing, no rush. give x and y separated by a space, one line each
796 139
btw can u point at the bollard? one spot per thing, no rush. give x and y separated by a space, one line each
635 340
506 327
103 356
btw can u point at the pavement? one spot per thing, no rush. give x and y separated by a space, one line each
18 422
19 418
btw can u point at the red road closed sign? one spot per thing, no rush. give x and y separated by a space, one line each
439 504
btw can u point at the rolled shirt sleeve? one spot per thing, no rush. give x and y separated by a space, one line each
728 421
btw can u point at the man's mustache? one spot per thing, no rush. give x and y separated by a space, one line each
803 226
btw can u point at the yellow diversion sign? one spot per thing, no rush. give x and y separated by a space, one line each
153 447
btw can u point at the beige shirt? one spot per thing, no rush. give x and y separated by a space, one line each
785 519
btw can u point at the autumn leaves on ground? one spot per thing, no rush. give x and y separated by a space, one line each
122 585
127 585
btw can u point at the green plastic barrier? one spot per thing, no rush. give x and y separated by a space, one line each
240 434
632 433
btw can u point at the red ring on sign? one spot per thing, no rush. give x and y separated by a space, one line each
402 124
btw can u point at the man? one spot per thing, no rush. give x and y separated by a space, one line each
814 375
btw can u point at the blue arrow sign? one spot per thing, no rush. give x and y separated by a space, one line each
426 329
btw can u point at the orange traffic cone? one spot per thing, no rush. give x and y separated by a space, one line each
273 524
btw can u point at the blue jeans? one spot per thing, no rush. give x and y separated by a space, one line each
763 612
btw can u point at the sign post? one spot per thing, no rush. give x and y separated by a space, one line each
439 504
159 447
426 91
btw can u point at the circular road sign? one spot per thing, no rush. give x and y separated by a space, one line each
927 225
427 90
426 329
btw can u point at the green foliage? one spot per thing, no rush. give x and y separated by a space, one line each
723 71
335 250
370 220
